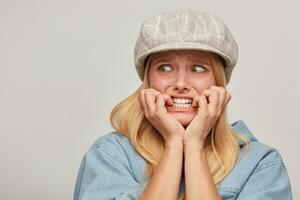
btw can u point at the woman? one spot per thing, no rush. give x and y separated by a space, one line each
172 138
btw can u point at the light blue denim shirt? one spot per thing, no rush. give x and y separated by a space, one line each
113 170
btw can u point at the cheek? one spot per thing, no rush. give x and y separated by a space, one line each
159 83
202 84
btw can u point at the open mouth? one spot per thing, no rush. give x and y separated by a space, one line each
182 103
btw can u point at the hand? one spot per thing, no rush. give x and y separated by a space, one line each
208 113
153 103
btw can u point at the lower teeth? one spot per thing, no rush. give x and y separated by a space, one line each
178 105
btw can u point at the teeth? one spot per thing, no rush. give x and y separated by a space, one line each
182 103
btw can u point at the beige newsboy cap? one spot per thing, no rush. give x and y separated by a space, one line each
185 29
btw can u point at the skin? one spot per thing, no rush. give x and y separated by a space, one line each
183 72
178 77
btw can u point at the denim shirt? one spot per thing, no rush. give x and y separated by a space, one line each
112 170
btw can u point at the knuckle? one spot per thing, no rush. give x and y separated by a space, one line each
206 91
216 88
214 92
197 98
147 94
147 91
222 89
159 95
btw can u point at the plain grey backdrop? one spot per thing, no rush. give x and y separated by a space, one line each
64 65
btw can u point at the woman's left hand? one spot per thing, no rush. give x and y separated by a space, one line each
207 114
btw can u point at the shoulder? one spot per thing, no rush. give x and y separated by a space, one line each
257 157
120 148
110 161
253 158
111 139
257 154
259 166
261 160
112 143
264 156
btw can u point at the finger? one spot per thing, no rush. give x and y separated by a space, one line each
150 99
215 108
161 101
223 95
213 98
154 91
215 87
207 93
195 101
168 99
203 103
142 101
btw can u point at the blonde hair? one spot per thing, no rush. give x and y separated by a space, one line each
221 146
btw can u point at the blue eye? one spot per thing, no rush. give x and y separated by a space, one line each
198 68
164 68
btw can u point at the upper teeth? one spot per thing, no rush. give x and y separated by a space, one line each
176 100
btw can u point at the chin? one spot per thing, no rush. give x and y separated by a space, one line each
183 118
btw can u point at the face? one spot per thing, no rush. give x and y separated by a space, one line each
182 74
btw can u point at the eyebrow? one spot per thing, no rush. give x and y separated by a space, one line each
202 60
162 59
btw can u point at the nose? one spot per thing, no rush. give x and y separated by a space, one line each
181 83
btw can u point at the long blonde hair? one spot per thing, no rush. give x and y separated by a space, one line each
221 147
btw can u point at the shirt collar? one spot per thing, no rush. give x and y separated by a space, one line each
240 127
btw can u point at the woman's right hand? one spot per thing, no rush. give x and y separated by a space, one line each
153 103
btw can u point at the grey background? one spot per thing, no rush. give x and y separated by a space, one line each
65 64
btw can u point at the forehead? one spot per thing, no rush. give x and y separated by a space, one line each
188 54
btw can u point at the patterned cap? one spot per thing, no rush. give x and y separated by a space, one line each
185 29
